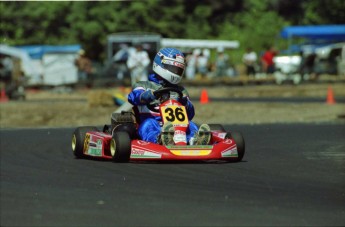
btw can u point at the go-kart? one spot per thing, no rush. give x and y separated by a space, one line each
119 141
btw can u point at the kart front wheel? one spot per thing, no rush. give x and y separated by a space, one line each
120 146
239 140
78 139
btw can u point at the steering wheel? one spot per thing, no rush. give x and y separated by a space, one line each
160 92
163 95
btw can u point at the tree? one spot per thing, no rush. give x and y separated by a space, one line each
252 22
34 22
324 12
255 27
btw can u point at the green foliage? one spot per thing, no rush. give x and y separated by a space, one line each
254 23
324 12
197 26
255 27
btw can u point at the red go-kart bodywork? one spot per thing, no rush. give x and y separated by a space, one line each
119 141
99 144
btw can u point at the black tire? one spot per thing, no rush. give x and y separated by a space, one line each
239 140
120 147
127 127
216 127
78 139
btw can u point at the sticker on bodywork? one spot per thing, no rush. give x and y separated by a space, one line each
191 152
93 145
174 114
230 153
141 153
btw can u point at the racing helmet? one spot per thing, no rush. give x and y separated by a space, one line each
169 64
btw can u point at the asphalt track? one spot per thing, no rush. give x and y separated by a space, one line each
291 175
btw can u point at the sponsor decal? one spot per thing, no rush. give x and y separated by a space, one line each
142 153
142 142
174 114
180 132
92 144
228 141
194 147
221 135
179 125
179 65
191 152
95 147
180 136
230 152
180 58
94 151
169 62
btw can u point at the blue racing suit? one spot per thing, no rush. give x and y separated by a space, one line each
151 121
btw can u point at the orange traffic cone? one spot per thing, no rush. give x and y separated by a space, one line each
3 96
204 97
330 96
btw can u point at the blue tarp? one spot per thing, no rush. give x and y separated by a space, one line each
37 51
325 32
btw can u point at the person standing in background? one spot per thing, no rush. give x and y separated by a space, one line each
202 65
191 60
137 63
84 66
222 62
249 59
120 59
267 60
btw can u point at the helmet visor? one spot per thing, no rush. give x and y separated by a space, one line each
174 69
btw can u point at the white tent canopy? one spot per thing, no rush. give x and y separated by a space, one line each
200 43
46 64
26 62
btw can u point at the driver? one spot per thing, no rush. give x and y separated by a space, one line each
168 66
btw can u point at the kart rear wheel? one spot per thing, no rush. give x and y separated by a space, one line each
78 139
239 140
120 147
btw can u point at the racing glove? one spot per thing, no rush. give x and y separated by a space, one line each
147 96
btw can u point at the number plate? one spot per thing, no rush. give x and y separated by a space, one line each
175 114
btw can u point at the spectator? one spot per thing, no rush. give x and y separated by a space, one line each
120 58
267 60
221 63
202 65
137 63
84 66
250 59
191 65
207 54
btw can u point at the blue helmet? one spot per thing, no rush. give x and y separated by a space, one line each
169 64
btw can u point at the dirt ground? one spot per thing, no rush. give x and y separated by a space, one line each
72 108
